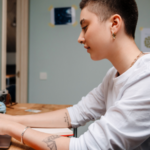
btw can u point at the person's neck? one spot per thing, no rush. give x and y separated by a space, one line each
123 54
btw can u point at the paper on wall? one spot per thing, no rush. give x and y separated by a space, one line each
145 40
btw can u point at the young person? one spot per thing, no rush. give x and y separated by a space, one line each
120 105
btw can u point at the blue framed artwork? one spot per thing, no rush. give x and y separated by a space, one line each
63 16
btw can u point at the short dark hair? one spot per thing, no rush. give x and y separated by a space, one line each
127 9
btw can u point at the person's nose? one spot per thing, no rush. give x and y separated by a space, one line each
81 38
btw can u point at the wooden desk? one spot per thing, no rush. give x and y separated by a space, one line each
19 109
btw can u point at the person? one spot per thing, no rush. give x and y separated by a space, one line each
119 106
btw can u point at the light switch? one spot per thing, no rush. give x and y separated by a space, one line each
43 75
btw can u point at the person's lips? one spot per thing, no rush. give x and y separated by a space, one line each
86 47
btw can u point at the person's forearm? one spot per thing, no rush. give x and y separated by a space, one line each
37 140
59 118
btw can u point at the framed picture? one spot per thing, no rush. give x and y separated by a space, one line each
63 16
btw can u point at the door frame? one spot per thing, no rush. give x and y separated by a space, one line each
4 37
21 49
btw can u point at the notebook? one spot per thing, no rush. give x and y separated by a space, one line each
5 141
58 131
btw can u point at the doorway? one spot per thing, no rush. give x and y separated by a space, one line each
11 49
18 52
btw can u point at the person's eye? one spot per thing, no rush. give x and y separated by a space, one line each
84 28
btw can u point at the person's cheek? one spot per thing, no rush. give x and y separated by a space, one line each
89 37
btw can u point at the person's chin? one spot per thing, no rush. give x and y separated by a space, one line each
94 58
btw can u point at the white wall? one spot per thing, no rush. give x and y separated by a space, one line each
71 72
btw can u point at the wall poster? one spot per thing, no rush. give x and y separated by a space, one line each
145 40
62 16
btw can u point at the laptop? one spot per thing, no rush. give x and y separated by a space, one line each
5 141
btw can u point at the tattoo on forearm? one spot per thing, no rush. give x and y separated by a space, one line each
67 119
50 141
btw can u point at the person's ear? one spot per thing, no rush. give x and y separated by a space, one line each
116 22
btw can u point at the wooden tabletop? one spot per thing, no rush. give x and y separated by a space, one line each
19 109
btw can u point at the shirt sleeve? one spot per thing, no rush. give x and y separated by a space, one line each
91 107
125 125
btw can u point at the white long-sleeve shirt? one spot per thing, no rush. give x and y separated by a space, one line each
120 107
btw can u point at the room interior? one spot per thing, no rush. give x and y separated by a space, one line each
11 49
71 74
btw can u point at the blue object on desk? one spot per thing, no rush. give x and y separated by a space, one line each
2 108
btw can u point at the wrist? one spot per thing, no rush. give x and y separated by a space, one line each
7 127
14 129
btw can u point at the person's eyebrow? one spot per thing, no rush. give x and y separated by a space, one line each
81 22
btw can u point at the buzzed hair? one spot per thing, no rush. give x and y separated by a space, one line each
127 9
